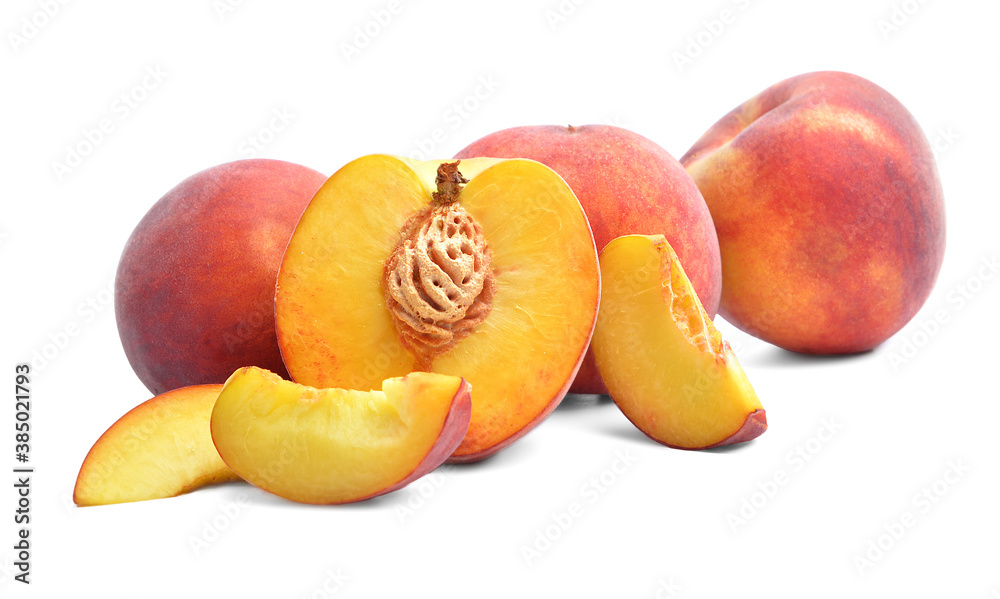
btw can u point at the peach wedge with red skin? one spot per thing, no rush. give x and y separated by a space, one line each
483 268
161 448
330 446
664 362
829 211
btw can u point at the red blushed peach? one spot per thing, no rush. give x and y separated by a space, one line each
194 293
626 184
829 212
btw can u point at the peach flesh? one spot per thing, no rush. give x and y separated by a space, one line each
331 446
665 364
523 355
161 448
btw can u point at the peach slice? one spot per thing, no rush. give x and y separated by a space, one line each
480 268
328 446
161 448
664 362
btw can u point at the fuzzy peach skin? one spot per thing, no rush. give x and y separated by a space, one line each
829 212
194 293
626 184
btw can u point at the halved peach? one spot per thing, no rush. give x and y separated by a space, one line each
161 448
328 446
480 268
661 357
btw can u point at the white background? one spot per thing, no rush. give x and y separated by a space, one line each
664 526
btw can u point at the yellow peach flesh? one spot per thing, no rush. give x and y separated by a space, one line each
335 445
162 448
335 330
664 362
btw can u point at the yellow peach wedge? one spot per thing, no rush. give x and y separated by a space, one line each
664 362
329 446
161 448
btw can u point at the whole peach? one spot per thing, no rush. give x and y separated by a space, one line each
829 211
626 184
194 292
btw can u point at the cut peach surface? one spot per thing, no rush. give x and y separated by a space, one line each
327 446
480 268
664 362
161 448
